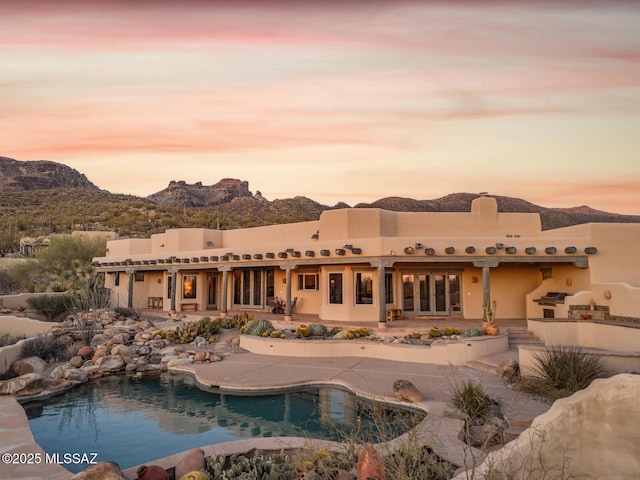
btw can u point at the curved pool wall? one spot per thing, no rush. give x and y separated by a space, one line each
446 352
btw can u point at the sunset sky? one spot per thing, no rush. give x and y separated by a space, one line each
335 100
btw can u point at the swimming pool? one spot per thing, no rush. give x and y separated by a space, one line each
136 422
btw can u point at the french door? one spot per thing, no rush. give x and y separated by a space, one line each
212 291
431 293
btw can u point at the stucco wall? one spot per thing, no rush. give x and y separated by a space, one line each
586 334
592 434
454 353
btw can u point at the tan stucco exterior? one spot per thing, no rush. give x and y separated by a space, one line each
440 264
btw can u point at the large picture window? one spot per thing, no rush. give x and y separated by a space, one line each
364 288
189 286
335 288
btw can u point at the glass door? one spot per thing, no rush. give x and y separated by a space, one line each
431 293
212 291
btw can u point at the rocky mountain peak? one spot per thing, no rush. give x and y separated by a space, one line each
181 194
40 175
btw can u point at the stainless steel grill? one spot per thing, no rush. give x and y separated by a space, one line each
552 298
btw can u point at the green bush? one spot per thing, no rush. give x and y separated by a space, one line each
51 306
50 348
471 399
565 370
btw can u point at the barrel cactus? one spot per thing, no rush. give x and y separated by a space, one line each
318 330
302 331
258 327
435 332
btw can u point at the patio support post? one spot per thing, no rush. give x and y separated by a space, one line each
174 287
382 302
130 289
223 294
486 290
287 312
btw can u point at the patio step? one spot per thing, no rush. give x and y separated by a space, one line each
484 364
523 337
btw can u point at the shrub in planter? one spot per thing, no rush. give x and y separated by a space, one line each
51 306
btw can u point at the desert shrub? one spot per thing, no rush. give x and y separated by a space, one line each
241 319
51 306
50 348
227 323
205 328
565 370
8 339
471 399
132 313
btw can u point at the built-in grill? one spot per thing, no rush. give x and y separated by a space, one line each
552 298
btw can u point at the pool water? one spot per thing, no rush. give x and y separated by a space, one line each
133 423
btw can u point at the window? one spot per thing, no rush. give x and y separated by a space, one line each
169 286
139 277
364 288
308 281
116 281
388 287
335 288
189 286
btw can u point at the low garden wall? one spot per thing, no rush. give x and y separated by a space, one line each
614 361
446 353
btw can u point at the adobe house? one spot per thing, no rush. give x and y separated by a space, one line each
368 264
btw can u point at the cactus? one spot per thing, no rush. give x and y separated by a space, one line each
258 327
256 467
302 331
474 332
435 332
197 475
416 335
448 331
318 330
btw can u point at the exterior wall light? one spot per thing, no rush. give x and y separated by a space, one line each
530 250
429 251
607 294
550 250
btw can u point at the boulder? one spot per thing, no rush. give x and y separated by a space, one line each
406 391
101 471
27 384
152 472
179 361
77 361
100 352
192 461
86 352
29 365
509 370
111 363
200 357
121 350
76 375
370 464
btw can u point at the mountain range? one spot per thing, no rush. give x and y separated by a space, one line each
42 197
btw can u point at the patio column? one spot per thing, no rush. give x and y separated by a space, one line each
130 289
382 302
287 312
174 287
223 294
486 283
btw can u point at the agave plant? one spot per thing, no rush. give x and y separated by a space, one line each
318 330
259 327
